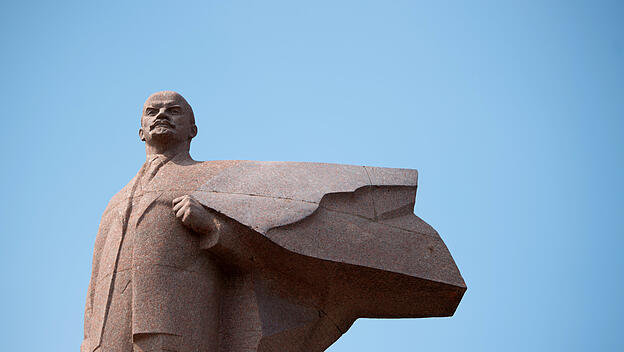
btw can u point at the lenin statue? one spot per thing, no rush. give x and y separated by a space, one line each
246 256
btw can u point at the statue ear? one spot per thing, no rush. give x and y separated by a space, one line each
141 134
193 132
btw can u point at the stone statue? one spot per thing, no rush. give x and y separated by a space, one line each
233 256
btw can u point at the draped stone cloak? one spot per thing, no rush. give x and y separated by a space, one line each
313 247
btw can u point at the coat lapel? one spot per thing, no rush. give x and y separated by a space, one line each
144 204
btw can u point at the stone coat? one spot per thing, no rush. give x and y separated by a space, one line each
313 247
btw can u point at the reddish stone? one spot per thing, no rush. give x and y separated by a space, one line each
256 256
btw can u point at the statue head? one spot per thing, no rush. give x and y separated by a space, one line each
167 120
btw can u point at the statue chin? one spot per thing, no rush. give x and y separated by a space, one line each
162 135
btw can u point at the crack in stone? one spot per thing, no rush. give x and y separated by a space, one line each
128 284
261 195
332 321
382 223
135 267
221 192
370 182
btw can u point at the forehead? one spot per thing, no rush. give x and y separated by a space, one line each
162 101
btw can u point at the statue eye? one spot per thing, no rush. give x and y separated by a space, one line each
150 112
175 110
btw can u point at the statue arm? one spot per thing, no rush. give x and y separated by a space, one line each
219 234
226 241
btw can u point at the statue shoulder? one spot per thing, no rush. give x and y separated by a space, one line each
118 199
121 196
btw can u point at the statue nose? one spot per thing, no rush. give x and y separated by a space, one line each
162 116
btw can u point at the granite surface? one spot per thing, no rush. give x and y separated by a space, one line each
256 256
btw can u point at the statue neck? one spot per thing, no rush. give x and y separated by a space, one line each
178 151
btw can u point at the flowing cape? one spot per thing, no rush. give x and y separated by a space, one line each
348 237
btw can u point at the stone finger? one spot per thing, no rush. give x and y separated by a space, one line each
177 206
178 199
185 216
181 211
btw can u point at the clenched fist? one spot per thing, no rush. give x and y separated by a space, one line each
194 215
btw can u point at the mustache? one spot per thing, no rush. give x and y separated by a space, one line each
161 123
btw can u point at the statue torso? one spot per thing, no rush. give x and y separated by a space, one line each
142 242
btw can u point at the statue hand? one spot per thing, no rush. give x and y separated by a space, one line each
193 214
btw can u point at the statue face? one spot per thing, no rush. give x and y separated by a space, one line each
166 118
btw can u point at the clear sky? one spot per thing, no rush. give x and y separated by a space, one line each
513 112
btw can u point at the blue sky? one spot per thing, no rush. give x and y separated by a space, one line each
513 112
